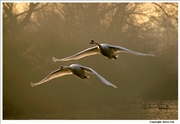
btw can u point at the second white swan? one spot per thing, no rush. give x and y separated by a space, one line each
76 69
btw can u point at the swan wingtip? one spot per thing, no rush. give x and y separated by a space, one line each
152 55
54 59
33 84
114 86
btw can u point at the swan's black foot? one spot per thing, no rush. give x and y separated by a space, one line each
115 57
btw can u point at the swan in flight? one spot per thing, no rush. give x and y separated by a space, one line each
104 49
76 69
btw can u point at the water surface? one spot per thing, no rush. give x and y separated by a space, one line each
124 111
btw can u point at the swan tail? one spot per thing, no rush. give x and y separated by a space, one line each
117 56
54 59
87 77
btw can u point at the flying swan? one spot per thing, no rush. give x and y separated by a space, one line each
77 70
104 49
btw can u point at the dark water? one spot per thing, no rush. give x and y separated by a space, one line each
165 114
131 111
126 111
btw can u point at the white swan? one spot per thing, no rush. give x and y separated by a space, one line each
76 69
104 49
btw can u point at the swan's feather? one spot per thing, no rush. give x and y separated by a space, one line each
87 69
55 74
84 53
117 49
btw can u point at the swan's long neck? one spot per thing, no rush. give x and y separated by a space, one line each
97 43
66 67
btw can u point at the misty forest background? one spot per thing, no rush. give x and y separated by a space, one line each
35 32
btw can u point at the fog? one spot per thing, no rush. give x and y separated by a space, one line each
34 33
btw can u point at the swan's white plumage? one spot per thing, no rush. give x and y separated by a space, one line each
66 70
99 76
117 49
87 52
55 74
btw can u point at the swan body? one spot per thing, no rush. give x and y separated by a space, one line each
77 70
106 50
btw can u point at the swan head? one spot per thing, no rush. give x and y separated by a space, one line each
61 67
92 41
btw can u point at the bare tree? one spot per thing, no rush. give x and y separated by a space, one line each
10 18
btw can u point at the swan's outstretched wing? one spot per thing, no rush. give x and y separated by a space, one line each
122 49
84 53
87 69
55 74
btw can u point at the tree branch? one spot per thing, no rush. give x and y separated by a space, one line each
175 5
161 8
34 10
